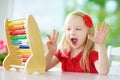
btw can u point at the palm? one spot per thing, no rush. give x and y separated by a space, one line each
100 34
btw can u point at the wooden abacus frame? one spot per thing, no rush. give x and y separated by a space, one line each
36 61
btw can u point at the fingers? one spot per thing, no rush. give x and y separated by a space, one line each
106 29
49 37
54 32
51 46
97 27
54 37
52 42
103 28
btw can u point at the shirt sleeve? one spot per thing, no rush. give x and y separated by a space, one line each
94 56
58 54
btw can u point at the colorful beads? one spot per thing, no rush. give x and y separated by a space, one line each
24 47
16 28
16 42
15 23
18 38
17 33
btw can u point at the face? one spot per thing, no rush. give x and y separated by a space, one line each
76 31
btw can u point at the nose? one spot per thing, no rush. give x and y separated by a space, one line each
72 31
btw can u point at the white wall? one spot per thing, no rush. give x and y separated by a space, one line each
5 12
49 14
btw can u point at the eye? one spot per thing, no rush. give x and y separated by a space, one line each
78 29
68 29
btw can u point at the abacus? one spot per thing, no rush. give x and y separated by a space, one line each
25 45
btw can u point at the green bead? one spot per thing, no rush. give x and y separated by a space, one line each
18 37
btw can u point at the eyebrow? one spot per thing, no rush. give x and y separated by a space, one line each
75 26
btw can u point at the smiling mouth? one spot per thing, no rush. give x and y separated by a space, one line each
74 41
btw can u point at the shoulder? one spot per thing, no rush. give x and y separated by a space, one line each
93 52
58 53
93 55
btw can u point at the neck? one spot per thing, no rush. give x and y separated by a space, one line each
76 51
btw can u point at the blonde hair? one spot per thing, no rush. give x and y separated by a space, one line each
64 46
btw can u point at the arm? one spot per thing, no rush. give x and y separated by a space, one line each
102 64
51 60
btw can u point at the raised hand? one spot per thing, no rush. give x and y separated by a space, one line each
101 32
52 41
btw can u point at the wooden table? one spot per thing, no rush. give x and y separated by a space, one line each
54 75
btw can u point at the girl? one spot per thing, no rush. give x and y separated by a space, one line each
77 53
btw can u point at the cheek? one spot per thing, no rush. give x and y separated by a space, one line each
82 36
67 34
67 38
84 32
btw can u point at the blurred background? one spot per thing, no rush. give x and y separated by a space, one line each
50 14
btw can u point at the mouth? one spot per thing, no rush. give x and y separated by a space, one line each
74 41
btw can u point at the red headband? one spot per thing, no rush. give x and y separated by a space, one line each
87 20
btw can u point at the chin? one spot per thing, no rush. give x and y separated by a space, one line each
75 47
